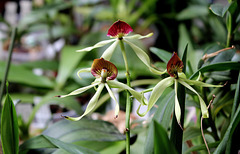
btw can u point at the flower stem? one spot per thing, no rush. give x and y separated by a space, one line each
10 50
128 101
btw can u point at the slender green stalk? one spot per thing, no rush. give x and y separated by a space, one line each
128 101
10 50
229 35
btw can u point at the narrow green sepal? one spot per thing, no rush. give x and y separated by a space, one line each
98 45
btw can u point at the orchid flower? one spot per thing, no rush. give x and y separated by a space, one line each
118 32
105 72
174 69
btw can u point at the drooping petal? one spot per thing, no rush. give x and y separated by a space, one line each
138 36
80 90
135 94
174 65
98 45
107 55
100 64
156 93
199 83
202 103
114 98
142 56
83 70
119 29
92 103
177 106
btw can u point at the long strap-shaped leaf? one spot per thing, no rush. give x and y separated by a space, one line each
9 127
43 141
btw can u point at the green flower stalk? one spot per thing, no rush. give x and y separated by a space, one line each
119 32
174 69
105 73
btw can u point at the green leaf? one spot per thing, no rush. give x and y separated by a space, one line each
84 130
68 62
9 127
163 116
201 147
162 143
20 74
192 11
234 123
190 133
44 141
162 54
219 9
43 64
217 67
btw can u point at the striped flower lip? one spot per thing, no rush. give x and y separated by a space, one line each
174 66
103 68
119 29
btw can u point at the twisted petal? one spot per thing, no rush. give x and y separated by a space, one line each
142 56
135 94
202 103
80 90
92 103
198 83
156 93
83 70
177 106
137 36
98 45
114 98
107 55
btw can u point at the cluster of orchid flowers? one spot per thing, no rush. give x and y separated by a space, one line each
105 72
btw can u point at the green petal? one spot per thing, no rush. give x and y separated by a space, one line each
143 57
156 93
114 98
202 103
109 51
98 45
177 106
137 36
92 103
80 90
198 83
135 94
83 70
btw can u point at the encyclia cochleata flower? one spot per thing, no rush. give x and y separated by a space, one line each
174 69
105 73
119 32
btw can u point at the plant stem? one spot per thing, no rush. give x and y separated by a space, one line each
128 101
10 50
229 28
